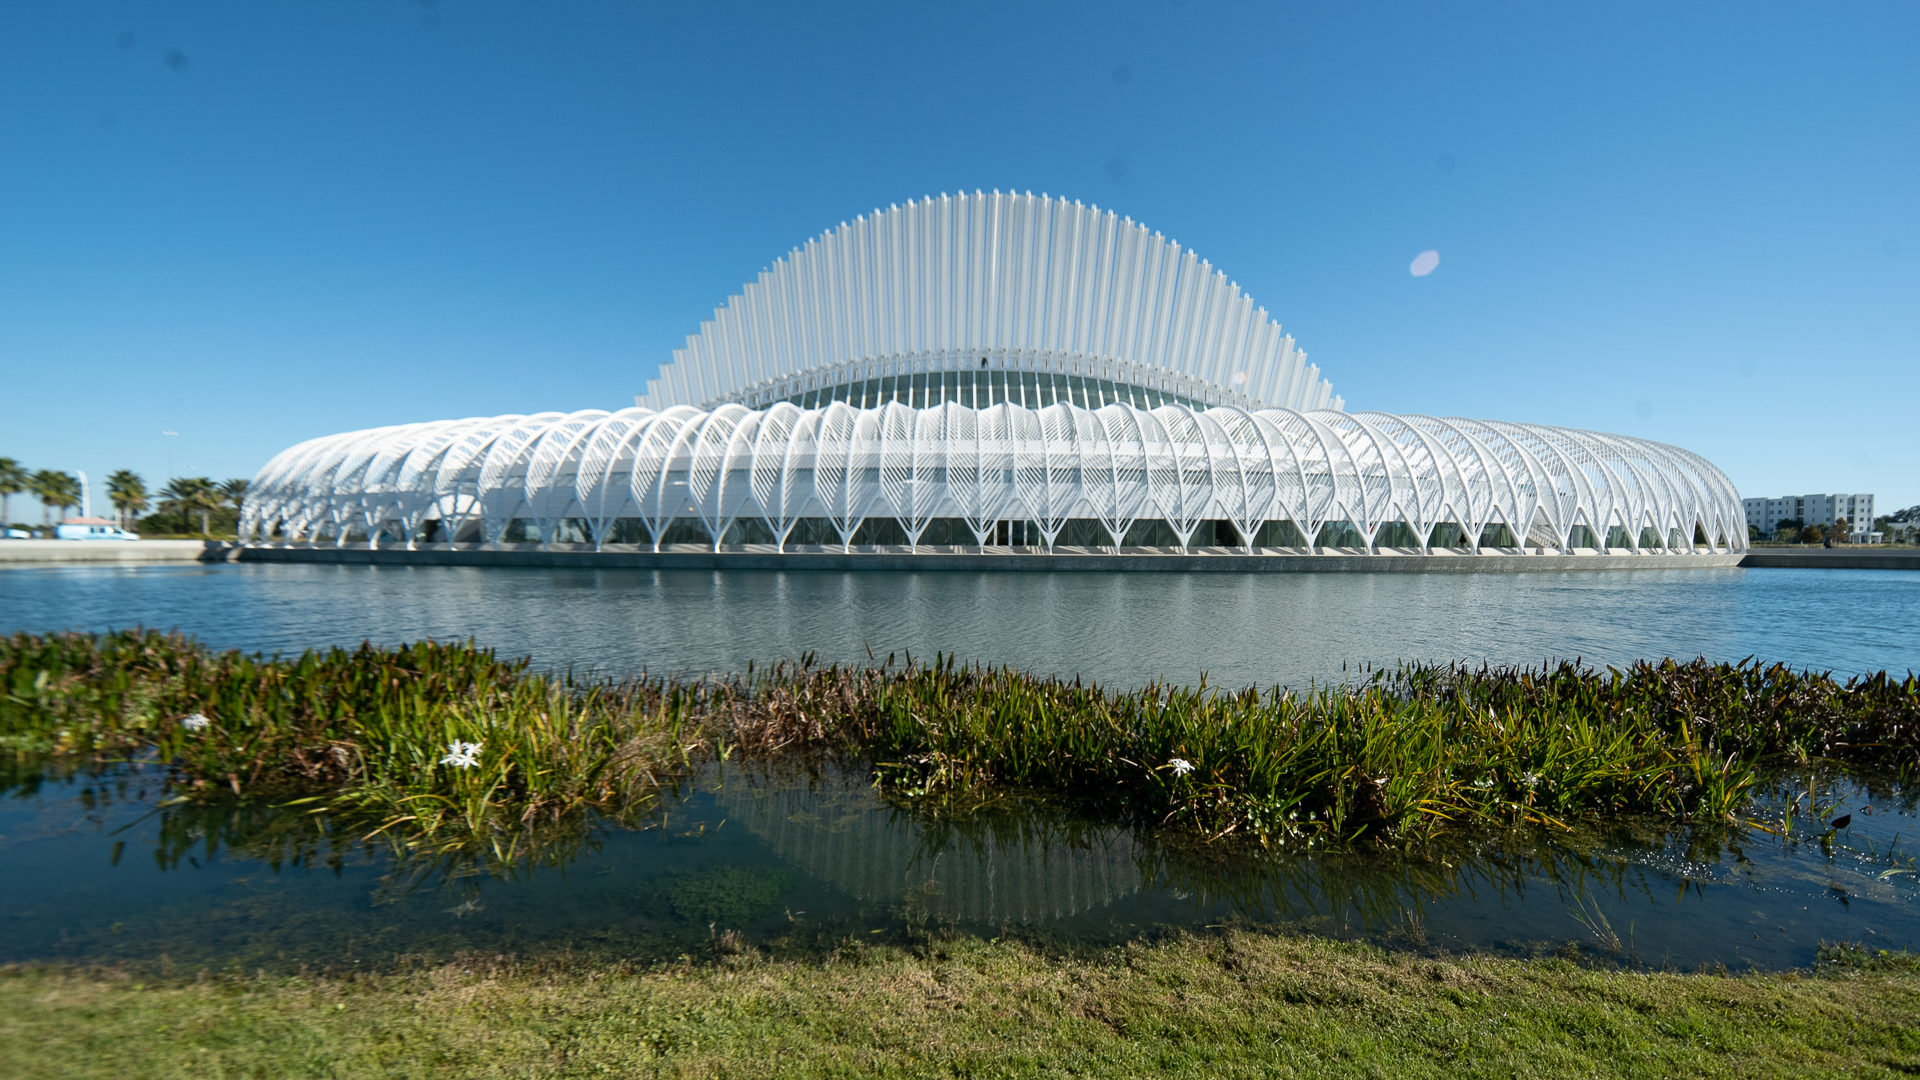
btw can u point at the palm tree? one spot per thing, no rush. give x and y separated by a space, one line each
68 496
54 489
129 494
193 495
13 481
213 498
181 496
234 493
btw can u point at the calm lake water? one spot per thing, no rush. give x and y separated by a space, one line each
800 864
99 869
1120 628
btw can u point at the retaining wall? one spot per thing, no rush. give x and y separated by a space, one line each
756 557
752 557
115 551
1836 558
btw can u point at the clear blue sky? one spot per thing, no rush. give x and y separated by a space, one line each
257 223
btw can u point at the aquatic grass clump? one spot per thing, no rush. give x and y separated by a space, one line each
1338 762
363 731
1771 709
1854 958
447 745
1406 753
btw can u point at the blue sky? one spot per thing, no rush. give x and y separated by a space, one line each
253 224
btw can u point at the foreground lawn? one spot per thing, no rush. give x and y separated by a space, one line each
1235 1005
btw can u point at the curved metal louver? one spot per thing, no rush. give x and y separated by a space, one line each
991 283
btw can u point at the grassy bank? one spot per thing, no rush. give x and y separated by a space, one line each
378 734
362 738
1239 1004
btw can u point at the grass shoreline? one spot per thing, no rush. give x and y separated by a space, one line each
1227 1004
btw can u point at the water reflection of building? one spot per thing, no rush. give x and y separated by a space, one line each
1018 872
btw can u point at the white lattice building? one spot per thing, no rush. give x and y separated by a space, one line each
991 370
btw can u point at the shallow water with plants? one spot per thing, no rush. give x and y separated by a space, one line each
169 805
104 867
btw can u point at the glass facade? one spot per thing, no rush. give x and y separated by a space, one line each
979 389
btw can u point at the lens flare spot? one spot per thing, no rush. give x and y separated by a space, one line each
1424 263
1239 378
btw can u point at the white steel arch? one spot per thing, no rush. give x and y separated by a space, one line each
1554 489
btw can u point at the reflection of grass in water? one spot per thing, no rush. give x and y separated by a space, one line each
731 896
1599 927
1374 892
306 920
1014 860
1035 847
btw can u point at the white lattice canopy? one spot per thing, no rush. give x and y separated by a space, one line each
585 477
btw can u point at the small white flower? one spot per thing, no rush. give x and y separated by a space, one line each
462 755
196 722
1531 780
1180 766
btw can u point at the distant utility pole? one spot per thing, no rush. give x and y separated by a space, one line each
86 504
174 435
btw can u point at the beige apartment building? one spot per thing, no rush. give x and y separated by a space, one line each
1822 510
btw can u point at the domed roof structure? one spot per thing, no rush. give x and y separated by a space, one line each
1002 370
967 284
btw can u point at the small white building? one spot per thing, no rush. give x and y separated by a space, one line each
1822 510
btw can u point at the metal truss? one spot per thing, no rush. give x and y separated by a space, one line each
990 282
582 473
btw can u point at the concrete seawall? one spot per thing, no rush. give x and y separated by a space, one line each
29 552
754 557
1835 558
1206 560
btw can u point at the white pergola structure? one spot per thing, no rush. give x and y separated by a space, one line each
1116 465
986 359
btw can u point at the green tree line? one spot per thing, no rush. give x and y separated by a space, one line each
1797 531
186 504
